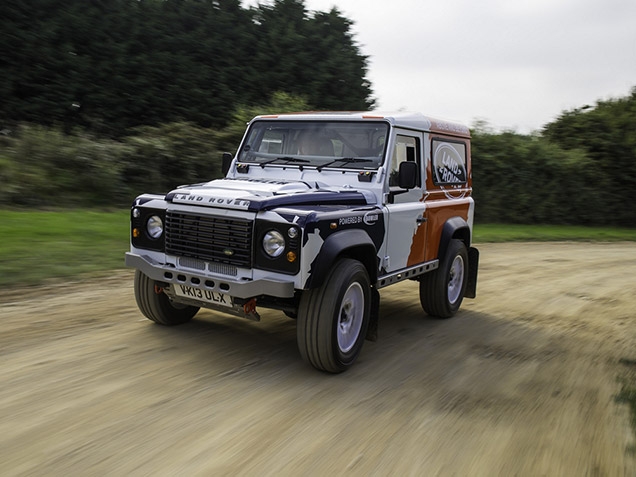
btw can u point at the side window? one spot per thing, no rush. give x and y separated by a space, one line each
449 162
407 148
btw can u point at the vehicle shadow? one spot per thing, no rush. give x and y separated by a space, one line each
408 342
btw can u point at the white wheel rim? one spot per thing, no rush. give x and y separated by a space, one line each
350 317
455 279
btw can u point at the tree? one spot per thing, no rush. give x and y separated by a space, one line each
112 65
312 56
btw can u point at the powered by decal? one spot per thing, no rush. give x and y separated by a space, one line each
356 219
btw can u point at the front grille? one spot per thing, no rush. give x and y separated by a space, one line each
209 238
193 263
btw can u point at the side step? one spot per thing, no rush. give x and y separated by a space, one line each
406 274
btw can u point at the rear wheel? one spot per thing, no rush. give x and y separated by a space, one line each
333 319
442 291
157 306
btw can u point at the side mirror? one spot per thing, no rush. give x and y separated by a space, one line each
407 175
226 163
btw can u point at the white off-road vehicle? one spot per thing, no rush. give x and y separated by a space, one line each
316 213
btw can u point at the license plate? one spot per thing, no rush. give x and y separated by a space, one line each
202 295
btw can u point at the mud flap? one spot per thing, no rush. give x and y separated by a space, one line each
374 315
473 265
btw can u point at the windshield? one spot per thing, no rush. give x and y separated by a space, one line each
332 144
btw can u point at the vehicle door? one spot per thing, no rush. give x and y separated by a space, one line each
406 209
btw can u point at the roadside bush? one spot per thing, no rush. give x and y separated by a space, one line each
529 180
46 167
43 167
7 183
158 159
546 178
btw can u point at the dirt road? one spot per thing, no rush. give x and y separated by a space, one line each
520 382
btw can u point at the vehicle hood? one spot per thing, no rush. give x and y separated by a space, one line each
265 194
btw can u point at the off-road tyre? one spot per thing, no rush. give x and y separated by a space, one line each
333 319
442 291
157 306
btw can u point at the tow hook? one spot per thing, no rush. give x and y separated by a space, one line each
249 309
158 290
250 306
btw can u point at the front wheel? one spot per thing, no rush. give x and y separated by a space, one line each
157 306
442 291
333 319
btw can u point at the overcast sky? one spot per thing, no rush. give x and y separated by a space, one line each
516 64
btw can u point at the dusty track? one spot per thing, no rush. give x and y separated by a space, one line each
521 382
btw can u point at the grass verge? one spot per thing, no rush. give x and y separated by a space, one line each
550 233
37 246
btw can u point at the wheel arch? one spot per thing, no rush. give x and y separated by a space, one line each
454 228
355 244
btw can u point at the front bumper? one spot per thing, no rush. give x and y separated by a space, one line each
236 288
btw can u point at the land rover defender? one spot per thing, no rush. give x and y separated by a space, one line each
316 213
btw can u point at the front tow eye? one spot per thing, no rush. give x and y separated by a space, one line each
249 309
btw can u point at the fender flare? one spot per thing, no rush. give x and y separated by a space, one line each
355 244
455 227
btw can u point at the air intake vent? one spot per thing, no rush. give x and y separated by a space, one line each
209 238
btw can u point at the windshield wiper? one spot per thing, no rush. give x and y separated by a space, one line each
345 161
288 159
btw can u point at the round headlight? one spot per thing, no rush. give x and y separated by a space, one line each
273 243
154 226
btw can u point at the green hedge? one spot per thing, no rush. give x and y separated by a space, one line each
516 178
43 167
580 171
529 180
